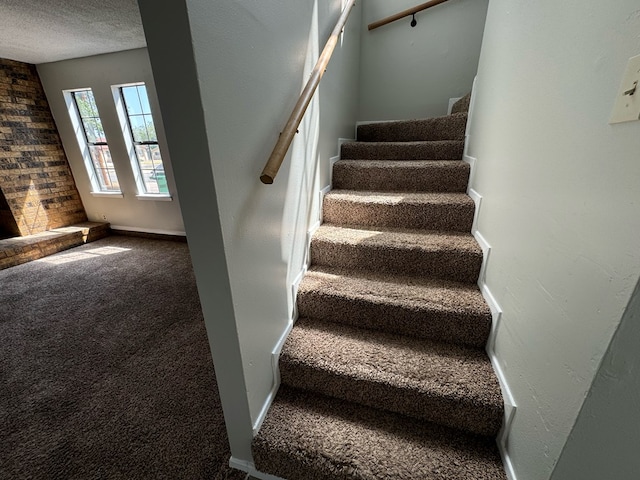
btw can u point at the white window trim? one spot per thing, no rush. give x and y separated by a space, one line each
110 194
131 148
78 130
159 197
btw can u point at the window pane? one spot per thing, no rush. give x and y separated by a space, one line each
107 179
94 130
92 104
144 99
89 129
97 124
104 168
139 128
155 155
132 100
151 129
84 105
155 180
101 156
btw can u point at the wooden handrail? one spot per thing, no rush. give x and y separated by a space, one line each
286 137
405 13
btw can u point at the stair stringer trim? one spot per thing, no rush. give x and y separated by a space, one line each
510 406
496 311
275 353
247 466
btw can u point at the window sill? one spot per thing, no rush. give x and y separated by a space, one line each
108 194
156 197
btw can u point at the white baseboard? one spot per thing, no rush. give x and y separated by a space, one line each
477 199
344 140
509 402
323 193
452 101
368 122
275 354
496 319
250 469
148 230
472 161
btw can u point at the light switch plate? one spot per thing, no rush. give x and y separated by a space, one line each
627 106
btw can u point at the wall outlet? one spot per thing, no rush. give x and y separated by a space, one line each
104 217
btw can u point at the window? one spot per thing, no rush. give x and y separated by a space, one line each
147 160
93 141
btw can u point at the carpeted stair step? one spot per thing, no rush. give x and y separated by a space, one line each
438 382
312 437
452 256
431 211
431 150
448 127
407 176
462 105
422 307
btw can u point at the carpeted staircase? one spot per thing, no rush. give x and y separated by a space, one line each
384 375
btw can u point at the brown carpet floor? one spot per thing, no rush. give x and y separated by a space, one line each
105 369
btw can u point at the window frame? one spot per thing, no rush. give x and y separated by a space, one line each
132 143
98 187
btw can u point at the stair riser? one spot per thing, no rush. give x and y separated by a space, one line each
447 265
444 150
436 216
455 413
431 179
441 128
416 321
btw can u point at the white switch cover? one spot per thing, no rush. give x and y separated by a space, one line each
627 106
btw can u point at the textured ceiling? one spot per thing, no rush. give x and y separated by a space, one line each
37 31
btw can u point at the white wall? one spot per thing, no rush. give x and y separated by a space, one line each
604 441
99 73
247 61
412 72
560 204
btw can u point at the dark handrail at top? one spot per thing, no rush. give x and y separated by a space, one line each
286 137
405 13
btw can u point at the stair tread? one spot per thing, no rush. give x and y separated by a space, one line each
405 176
407 164
399 151
307 436
394 198
436 128
413 292
405 144
398 238
418 210
416 377
445 254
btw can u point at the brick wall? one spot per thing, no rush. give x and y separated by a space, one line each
35 177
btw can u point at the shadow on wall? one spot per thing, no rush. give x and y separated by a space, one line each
8 225
301 201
